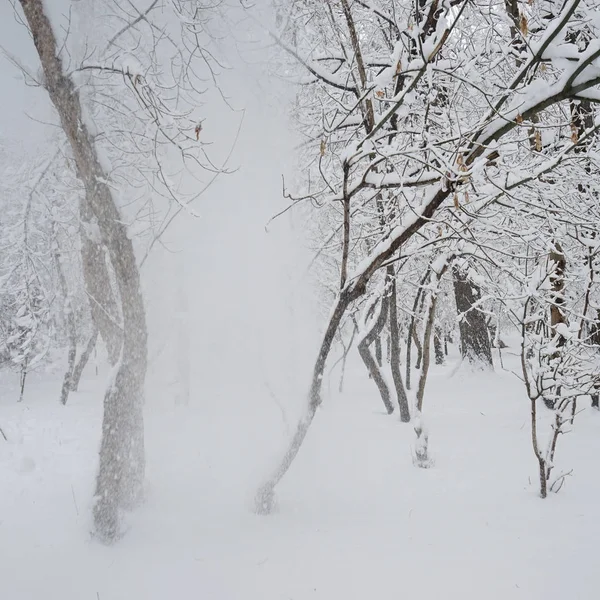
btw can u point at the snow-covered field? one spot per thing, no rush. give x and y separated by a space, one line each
355 518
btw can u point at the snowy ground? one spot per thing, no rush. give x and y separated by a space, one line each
356 519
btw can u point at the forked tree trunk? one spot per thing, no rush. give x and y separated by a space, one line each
395 349
475 345
437 270
121 469
367 357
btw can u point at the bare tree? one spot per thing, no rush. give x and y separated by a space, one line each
131 125
121 453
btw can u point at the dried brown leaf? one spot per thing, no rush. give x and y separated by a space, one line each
523 25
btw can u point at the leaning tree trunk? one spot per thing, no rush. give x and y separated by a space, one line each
475 345
121 469
265 496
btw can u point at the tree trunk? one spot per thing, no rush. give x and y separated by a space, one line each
412 336
438 348
395 349
378 352
265 496
475 343
23 377
436 275
83 361
98 285
417 342
67 385
370 363
437 270
121 453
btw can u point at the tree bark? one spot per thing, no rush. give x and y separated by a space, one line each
475 343
438 347
395 349
378 352
121 469
417 342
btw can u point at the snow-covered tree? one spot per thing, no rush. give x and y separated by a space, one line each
129 107
429 126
